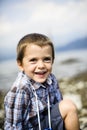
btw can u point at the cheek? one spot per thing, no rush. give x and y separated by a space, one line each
31 67
49 67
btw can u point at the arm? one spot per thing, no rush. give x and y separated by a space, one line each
15 106
57 92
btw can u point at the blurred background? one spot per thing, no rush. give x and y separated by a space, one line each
65 23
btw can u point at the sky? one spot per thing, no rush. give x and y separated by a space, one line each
62 21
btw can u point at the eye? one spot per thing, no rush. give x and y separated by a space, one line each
47 59
33 60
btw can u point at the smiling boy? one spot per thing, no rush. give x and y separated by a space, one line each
35 101
37 62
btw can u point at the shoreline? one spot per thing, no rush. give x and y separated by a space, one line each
76 85
75 88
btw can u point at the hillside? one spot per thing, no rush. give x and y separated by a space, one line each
75 45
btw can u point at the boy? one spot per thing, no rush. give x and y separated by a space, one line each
35 101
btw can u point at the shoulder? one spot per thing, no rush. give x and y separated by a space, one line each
53 76
16 97
21 84
54 82
53 79
18 94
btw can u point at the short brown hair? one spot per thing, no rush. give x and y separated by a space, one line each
35 38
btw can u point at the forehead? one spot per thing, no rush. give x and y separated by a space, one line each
36 48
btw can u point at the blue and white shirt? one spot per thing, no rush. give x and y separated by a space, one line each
20 101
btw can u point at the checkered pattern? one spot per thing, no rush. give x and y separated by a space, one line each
20 101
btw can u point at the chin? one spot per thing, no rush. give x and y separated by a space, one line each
40 80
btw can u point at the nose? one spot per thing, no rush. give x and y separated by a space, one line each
41 64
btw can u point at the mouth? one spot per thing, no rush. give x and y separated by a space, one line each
41 73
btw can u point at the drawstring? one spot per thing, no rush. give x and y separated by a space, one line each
38 115
37 104
49 118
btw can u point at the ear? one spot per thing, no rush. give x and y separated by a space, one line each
20 65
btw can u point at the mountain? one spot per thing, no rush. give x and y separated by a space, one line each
75 45
7 56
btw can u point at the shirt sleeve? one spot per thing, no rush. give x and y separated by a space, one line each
57 92
15 105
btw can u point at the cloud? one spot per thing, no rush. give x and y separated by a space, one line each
62 21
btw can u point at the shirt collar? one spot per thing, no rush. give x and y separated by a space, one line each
37 85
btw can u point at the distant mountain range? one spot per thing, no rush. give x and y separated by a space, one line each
75 45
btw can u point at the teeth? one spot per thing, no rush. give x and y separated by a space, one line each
40 72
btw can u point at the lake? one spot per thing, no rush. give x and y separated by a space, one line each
66 65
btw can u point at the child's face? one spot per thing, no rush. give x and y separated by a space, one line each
37 62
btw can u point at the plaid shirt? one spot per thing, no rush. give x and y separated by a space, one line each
20 101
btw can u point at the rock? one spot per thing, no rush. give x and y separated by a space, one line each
75 88
1 113
80 85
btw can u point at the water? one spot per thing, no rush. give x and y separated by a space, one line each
8 73
70 69
9 69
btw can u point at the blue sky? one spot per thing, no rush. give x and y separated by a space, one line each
61 20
